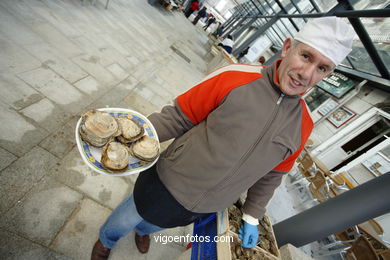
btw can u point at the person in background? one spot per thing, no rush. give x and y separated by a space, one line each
202 13
227 44
194 7
218 31
210 21
241 129
243 53
261 60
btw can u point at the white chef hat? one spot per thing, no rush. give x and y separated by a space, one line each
331 36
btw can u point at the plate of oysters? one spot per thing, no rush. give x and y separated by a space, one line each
117 141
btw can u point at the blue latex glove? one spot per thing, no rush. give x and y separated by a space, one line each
249 234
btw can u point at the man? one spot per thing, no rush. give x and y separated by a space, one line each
240 129
243 53
194 6
202 13
209 22
227 44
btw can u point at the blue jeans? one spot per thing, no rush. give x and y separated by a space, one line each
121 221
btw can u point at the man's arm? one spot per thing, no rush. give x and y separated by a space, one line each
171 122
193 106
254 207
260 194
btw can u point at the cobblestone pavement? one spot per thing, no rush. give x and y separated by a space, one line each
57 60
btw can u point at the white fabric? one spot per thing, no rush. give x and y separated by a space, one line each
332 36
249 219
228 42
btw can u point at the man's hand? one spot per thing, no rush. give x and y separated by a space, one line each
249 234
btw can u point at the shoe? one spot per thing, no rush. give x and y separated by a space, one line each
142 243
100 252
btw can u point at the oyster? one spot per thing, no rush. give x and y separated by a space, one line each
97 127
130 130
145 149
115 157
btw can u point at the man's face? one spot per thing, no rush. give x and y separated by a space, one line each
301 68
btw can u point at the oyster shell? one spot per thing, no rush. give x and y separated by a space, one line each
145 149
97 127
130 130
115 157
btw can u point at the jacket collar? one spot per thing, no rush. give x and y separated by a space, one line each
272 73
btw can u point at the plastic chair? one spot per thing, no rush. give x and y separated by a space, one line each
359 249
318 189
306 169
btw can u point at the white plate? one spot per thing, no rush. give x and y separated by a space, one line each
91 155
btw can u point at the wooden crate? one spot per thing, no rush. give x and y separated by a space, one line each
224 228
227 249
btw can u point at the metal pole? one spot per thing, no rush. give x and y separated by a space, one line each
364 13
244 28
298 9
255 36
353 207
366 40
349 14
286 12
314 4
234 27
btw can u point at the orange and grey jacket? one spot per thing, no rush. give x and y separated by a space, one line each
235 131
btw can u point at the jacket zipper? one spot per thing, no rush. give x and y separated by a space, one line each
245 156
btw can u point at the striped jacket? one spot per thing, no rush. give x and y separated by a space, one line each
234 131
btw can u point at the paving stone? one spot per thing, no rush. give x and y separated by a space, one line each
15 59
108 190
160 251
90 64
158 88
94 46
117 71
55 38
112 54
46 114
51 58
126 249
140 104
55 88
133 60
15 247
61 141
144 91
159 101
21 9
43 211
58 19
82 230
115 95
89 86
16 134
118 46
15 92
6 158
23 174
12 28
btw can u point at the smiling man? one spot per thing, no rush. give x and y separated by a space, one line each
241 129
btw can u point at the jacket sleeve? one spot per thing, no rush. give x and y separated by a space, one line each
171 122
193 106
260 194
